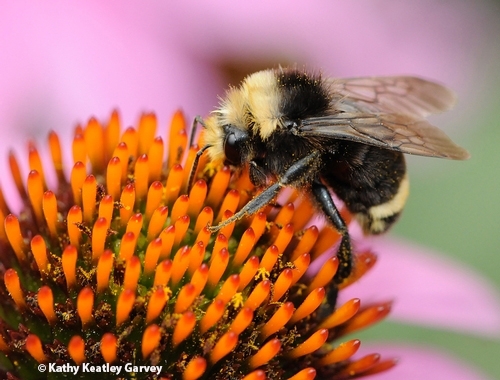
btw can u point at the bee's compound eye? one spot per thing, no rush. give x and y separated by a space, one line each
234 144
232 149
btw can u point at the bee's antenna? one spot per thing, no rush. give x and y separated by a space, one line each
194 166
197 120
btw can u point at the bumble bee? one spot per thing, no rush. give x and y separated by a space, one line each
348 136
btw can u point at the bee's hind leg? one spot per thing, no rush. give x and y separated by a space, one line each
344 254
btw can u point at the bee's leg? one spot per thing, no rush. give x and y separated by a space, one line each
197 120
194 166
294 174
344 254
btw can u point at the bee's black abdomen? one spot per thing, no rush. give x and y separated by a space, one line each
371 181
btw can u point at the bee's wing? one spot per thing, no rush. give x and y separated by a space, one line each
387 112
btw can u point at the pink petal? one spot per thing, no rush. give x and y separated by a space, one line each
429 289
418 363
